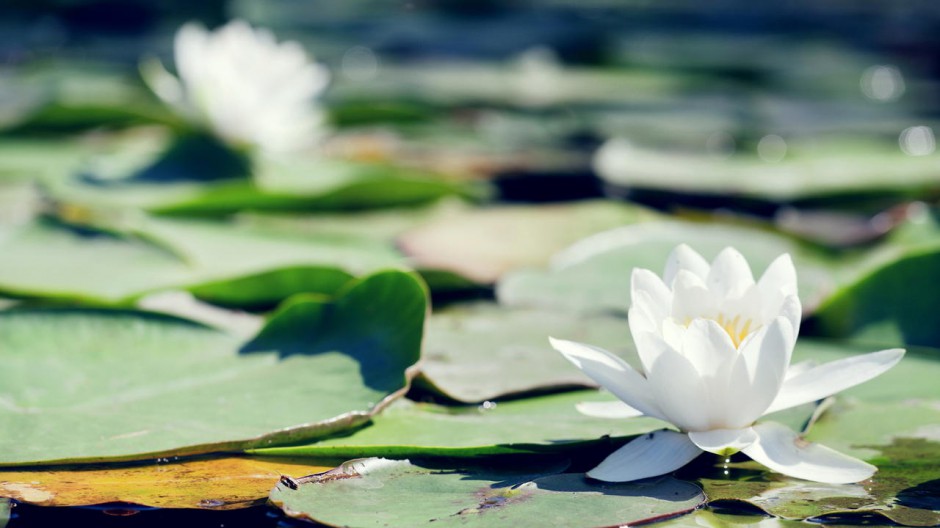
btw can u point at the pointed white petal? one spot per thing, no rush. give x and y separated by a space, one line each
650 455
723 441
612 373
708 347
730 275
647 281
614 409
679 391
765 358
684 258
783 451
779 278
691 298
835 376
791 308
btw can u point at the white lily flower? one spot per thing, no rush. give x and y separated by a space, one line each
715 347
244 86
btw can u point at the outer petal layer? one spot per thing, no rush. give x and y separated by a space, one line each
650 455
783 451
611 372
829 378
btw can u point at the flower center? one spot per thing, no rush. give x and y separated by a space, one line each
737 327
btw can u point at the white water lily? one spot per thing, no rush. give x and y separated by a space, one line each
244 86
715 348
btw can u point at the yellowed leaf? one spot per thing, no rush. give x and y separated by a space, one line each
217 483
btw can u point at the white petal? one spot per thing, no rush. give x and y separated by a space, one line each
830 378
647 281
791 308
612 373
783 451
691 298
684 258
730 275
708 347
161 82
679 391
613 409
723 442
650 455
779 278
765 358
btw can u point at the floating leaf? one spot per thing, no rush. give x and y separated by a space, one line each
795 170
215 483
483 351
593 275
117 385
51 259
546 424
378 492
484 244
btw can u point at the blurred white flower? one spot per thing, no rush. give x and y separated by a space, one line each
715 347
244 86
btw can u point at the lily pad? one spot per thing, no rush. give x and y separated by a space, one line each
175 186
215 483
57 260
881 306
484 351
547 424
593 275
378 492
120 385
484 244
796 170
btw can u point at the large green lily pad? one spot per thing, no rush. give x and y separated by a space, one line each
806 170
176 182
593 275
52 259
379 492
547 424
82 385
885 303
484 244
540 425
484 351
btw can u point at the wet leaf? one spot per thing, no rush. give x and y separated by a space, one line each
57 260
81 385
217 483
593 275
484 244
379 492
546 424
483 351
792 171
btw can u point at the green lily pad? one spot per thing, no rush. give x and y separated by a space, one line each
593 275
118 385
806 170
883 305
175 182
484 351
53 260
546 424
484 244
379 492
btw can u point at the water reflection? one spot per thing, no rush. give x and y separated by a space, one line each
917 141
